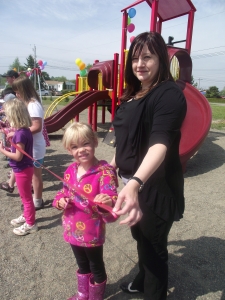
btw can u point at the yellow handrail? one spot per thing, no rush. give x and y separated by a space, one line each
57 101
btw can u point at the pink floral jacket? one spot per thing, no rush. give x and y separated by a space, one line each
83 225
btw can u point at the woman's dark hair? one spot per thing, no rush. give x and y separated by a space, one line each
157 46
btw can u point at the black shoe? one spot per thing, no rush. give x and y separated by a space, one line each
126 288
40 207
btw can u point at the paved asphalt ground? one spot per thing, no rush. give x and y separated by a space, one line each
42 266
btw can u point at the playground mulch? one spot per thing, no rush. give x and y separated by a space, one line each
42 266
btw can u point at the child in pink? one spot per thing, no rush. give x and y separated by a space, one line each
90 181
18 117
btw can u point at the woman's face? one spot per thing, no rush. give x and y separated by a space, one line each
145 66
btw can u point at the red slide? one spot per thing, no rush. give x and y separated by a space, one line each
196 124
81 102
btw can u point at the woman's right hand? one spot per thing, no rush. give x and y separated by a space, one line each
129 196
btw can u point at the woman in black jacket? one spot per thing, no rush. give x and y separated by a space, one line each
147 127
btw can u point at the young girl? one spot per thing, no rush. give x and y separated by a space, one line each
84 228
18 117
25 91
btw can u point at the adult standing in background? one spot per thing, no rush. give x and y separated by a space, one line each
10 76
147 128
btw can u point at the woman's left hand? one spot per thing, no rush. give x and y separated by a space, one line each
129 196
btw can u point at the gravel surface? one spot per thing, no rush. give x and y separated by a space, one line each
42 266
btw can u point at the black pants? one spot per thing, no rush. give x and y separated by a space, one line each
151 234
90 260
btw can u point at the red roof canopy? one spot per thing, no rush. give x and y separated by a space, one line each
168 9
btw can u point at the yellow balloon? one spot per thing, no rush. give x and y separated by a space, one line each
78 60
82 66
15 69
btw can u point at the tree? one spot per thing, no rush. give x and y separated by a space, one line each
88 67
212 92
45 75
16 65
30 63
61 79
195 84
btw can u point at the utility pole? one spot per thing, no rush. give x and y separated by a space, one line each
34 49
199 83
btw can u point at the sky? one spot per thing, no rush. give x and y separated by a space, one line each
60 31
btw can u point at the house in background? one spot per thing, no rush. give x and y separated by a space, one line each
59 86
54 85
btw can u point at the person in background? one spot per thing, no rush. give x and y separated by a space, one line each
92 181
25 91
147 127
18 117
10 76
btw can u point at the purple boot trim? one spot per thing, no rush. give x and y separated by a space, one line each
82 287
96 291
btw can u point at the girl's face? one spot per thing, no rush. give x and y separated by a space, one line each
83 151
145 67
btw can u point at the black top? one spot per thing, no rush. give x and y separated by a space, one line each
140 124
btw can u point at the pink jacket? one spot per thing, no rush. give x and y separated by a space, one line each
83 226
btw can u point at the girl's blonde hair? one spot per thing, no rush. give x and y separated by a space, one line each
77 131
17 113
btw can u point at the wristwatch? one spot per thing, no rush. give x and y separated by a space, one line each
139 181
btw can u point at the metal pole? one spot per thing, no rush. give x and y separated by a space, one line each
34 66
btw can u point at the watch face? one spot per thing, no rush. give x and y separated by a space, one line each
141 188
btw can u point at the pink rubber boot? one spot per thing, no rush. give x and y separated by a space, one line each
82 287
96 291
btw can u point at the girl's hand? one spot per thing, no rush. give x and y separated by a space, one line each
1 145
103 198
129 196
64 203
10 134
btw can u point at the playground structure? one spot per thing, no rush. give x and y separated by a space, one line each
104 82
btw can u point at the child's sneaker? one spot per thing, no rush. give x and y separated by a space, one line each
25 229
18 221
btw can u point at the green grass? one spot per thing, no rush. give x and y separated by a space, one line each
218 116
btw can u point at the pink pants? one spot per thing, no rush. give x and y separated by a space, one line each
24 183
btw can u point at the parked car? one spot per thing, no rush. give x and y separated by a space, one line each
43 92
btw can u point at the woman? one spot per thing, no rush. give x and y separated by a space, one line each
26 92
147 128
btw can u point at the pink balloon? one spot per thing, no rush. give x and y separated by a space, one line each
131 27
40 62
28 74
132 38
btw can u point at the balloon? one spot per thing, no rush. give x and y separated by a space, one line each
44 63
128 20
132 38
131 27
77 61
83 72
82 66
28 74
29 69
40 62
15 69
132 12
